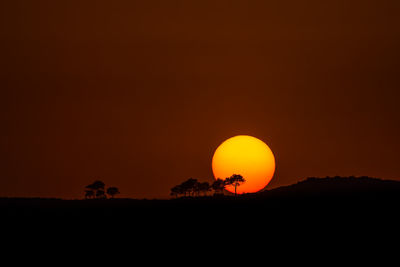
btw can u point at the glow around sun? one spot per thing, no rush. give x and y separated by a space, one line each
247 156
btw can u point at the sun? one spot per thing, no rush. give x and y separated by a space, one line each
247 156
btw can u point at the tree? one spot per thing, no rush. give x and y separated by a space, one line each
100 194
235 180
89 194
98 185
177 190
196 188
218 186
90 187
189 186
112 191
204 187
95 187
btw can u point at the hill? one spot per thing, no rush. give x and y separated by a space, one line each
332 206
337 187
310 195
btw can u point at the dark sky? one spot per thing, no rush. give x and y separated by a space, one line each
140 93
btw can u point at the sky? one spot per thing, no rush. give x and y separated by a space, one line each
139 94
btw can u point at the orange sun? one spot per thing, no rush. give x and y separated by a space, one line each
247 156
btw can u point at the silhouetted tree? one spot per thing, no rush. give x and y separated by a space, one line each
95 187
197 188
112 191
89 194
189 186
100 194
176 191
235 180
204 187
90 187
218 186
98 185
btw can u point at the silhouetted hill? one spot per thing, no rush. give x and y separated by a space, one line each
344 193
311 197
326 208
336 187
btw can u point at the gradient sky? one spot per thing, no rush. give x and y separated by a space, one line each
139 94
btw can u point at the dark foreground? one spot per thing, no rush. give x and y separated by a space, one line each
323 212
338 199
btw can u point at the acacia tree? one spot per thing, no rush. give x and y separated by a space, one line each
90 188
204 187
95 187
218 186
98 185
197 188
89 194
100 194
189 186
176 191
235 180
112 191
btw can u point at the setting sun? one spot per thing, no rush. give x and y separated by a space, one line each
247 156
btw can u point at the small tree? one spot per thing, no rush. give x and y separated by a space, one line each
89 194
112 191
189 186
204 187
197 188
90 187
235 180
100 194
176 191
96 186
218 186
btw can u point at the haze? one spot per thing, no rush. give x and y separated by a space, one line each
139 94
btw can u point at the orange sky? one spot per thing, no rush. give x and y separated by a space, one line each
141 93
